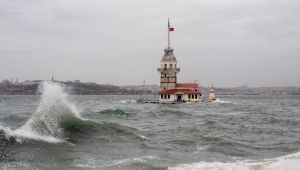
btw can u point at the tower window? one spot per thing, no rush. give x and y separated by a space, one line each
165 65
171 65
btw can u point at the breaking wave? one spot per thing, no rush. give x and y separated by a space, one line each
56 120
288 162
53 115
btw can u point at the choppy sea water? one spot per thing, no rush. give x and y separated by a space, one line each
57 131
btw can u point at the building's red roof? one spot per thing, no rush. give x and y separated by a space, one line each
179 91
187 85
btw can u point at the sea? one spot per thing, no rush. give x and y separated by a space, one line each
115 132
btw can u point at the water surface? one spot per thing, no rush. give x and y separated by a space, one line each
57 131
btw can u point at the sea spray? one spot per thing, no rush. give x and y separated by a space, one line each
46 122
220 101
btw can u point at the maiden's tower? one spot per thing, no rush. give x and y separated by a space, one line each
170 91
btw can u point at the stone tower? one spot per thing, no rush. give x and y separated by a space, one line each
168 66
168 70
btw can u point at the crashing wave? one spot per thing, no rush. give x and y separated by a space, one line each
48 122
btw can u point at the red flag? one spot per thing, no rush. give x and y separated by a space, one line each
171 29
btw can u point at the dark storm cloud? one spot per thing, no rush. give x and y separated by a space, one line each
227 43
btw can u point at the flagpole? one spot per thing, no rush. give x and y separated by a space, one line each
168 33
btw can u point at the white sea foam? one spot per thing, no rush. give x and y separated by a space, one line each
220 101
127 101
21 135
44 123
143 137
288 162
90 162
200 148
128 161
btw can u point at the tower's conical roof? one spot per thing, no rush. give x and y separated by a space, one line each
169 56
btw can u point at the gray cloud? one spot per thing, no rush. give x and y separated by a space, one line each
227 43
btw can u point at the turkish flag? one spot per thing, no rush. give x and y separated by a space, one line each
171 29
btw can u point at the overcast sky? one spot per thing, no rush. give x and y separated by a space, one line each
224 42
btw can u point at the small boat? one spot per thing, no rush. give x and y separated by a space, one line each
212 96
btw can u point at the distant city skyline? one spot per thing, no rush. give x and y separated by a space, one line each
228 43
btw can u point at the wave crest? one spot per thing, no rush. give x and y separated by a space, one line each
47 123
114 111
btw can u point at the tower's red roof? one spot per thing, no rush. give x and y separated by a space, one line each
179 91
187 85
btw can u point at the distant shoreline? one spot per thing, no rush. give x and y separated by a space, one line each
153 94
80 88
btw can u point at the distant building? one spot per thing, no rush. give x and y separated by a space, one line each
29 82
170 90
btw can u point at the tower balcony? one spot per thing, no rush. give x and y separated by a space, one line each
177 70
